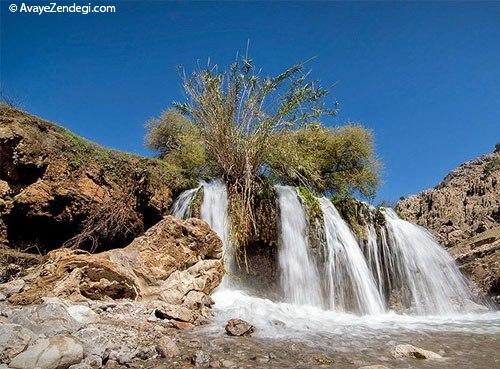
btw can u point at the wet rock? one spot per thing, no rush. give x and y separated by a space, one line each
13 340
57 352
166 347
278 323
238 327
410 351
12 287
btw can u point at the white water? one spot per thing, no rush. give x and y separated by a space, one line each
350 284
432 281
181 208
299 274
374 258
399 254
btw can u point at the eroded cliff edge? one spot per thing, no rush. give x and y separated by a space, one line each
463 212
57 188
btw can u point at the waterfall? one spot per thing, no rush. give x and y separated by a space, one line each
350 284
401 261
181 208
299 274
427 274
374 258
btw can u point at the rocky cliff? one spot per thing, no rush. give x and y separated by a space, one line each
463 212
57 188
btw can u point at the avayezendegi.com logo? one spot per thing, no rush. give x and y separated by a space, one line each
78 8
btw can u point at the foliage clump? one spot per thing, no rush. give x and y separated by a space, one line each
248 130
491 166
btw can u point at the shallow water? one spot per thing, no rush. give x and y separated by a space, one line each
308 337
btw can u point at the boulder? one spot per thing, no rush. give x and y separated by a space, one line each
47 319
13 340
238 327
410 351
82 314
175 261
57 352
166 347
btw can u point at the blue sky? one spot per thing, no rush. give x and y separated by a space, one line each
425 77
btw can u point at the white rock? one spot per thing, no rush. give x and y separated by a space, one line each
48 319
82 314
57 352
13 340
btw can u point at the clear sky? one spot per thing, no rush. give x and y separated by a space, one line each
425 77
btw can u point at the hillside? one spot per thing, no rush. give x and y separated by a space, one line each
56 188
463 212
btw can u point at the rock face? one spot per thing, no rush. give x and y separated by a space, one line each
55 185
176 262
463 212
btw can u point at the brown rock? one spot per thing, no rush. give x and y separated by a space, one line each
238 327
52 182
172 259
410 351
166 347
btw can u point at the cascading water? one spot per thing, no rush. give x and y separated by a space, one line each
425 272
181 208
350 285
393 259
299 274
374 258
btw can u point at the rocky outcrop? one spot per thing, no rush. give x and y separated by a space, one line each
463 212
56 188
176 262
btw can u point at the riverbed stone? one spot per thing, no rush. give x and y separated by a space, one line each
166 347
57 352
201 359
238 327
410 351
